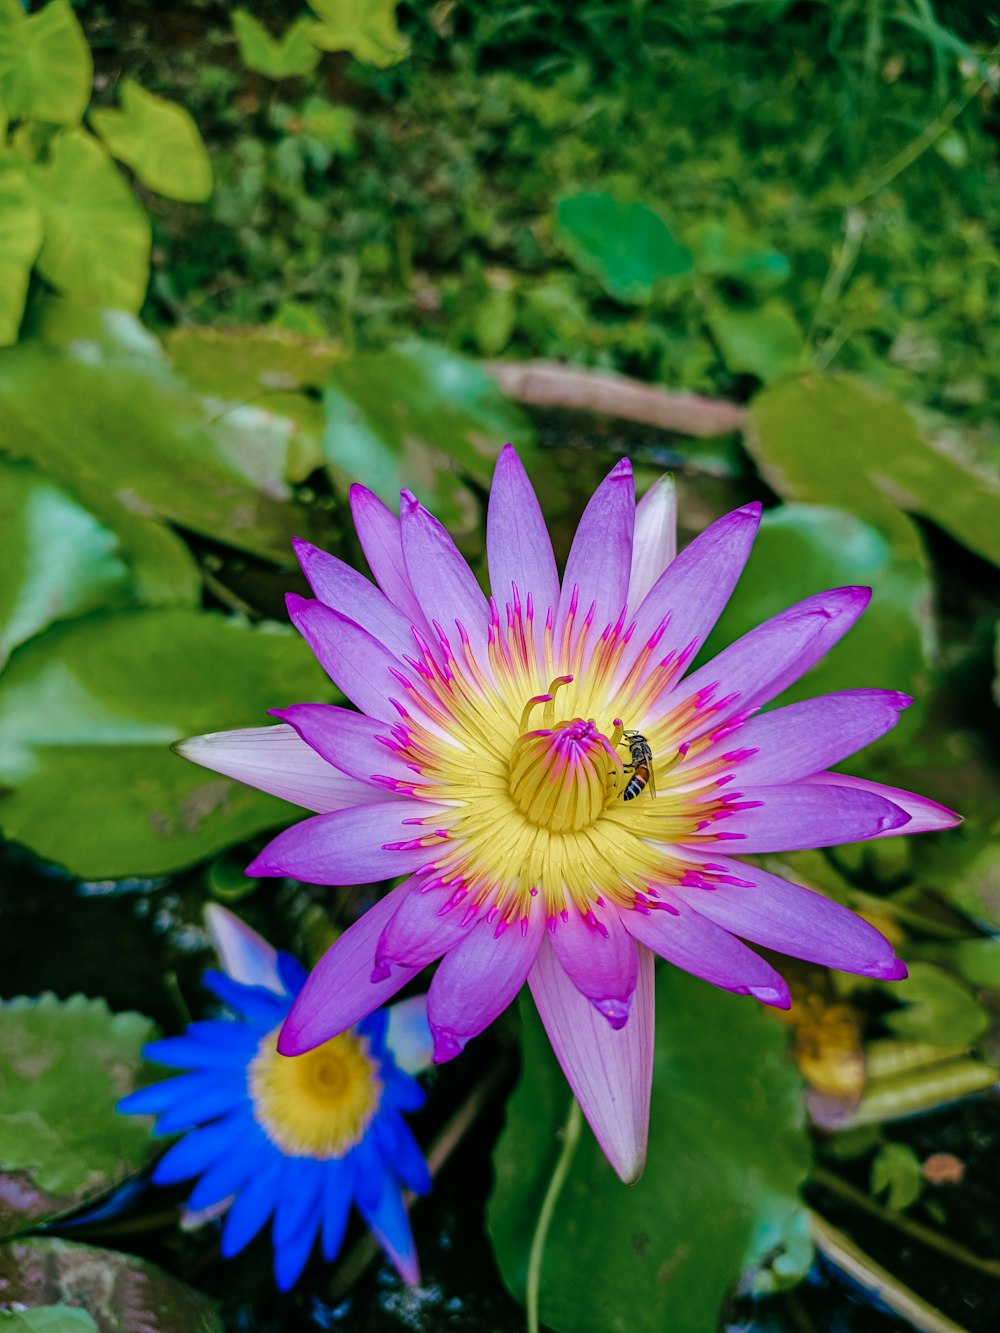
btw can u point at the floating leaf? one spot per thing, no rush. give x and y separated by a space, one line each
88 711
804 549
159 141
937 1008
727 1155
97 236
419 417
121 1293
129 437
46 71
63 1066
288 56
20 241
626 246
58 560
765 341
896 1172
366 28
47 1319
837 441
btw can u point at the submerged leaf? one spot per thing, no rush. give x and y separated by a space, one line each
63 1066
728 1153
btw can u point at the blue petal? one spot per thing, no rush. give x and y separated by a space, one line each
290 1256
390 1225
170 1092
338 1195
374 1028
229 1032
189 1052
292 973
300 1198
198 1150
408 1038
252 1207
229 1175
402 1091
255 1002
402 1152
369 1174
207 1097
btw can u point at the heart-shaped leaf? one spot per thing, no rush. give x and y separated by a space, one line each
285 57
45 67
159 141
20 241
366 28
626 246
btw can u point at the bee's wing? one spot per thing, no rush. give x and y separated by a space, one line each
651 784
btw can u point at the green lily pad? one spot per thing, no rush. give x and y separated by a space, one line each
366 28
288 56
765 341
122 1294
20 241
129 437
626 246
59 561
47 1319
896 1172
938 1008
804 549
727 1155
159 141
63 1066
422 418
88 711
97 236
46 71
835 440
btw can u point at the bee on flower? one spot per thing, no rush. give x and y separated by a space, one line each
564 796
293 1141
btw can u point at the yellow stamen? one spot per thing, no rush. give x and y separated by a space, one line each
319 1104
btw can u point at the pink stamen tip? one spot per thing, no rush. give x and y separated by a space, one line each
683 748
492 915
534 893
501 927
730 837
551 922
703 824
524 927
565 916
470 914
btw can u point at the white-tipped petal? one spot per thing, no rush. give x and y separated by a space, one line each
408 1035
654 543
244 955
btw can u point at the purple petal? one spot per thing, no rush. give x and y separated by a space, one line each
600 559
691 941
275 760
926 816
355 661
798 815
599 957
379 535
244 955
408 1035
801 739
478 980
339 991
347 846
517 541
347 740
796 921
610 1072
696 586
654 543
343 589
442 581
761 664
423 928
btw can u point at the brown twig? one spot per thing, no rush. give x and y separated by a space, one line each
549 384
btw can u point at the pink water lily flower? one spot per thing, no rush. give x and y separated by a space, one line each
495 756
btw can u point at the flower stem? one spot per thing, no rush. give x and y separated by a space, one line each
570 1139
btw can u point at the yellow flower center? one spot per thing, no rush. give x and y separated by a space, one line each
319 1104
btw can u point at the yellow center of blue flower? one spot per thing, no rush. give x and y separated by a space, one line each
319 1104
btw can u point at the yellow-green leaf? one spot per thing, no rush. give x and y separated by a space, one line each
97 237
284 57
20 239
46 72
159 141
366 28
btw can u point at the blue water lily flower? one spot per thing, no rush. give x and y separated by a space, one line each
291 1140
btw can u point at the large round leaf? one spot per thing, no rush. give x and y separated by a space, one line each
626 246
419 417
804 549
58 560
727 1154
837 441
97 236
63 1066
122 1294
45 66
88 711
20 240
159 141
